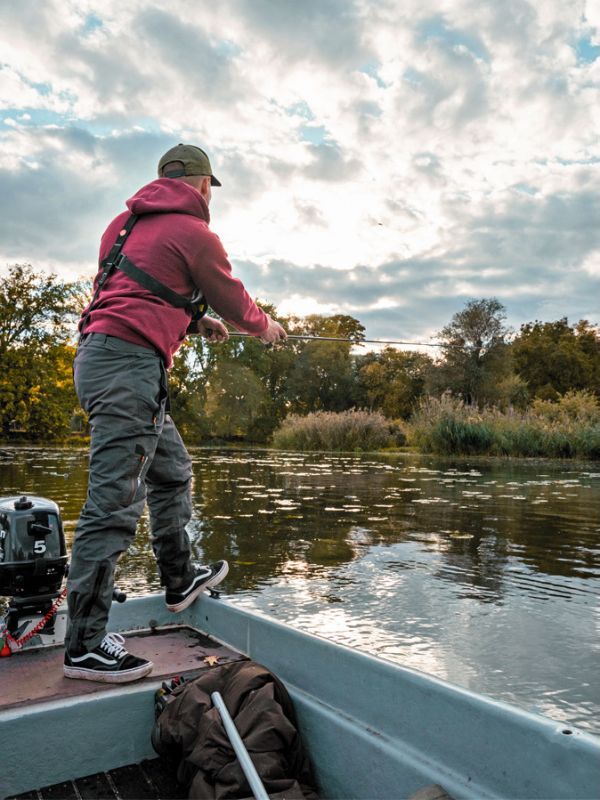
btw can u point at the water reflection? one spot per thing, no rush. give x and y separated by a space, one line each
484 573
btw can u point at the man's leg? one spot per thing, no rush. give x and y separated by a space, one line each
169 484
119 386
169 496
105 529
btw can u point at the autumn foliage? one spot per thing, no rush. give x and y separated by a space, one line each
486 389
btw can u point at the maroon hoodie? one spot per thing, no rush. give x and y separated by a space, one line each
171 241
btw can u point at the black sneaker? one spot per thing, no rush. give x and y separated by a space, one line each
178 599
109 662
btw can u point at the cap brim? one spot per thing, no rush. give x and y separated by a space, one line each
214 181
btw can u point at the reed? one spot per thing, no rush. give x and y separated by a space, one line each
568 428
346 430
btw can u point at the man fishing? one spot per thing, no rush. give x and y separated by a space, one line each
160 267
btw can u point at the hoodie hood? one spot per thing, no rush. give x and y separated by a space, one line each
166 195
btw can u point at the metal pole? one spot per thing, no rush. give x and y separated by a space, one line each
248 768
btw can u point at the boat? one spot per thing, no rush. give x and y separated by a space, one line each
373 728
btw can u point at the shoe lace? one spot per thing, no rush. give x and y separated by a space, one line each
113 645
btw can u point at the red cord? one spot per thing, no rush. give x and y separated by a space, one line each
20 642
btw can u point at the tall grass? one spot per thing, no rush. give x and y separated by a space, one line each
327 430
566 429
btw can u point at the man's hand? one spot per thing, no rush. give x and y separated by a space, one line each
212 329
274 333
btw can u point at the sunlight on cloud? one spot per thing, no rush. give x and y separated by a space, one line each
299 306
591 265
383 302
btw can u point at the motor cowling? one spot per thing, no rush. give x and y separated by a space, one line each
33 552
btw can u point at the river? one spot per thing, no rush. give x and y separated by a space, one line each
485 573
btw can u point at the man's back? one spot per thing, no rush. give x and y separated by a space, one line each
172 242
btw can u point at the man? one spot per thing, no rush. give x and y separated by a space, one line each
154 258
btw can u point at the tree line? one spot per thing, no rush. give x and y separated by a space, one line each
243 390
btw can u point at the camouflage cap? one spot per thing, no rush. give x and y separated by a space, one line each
194 160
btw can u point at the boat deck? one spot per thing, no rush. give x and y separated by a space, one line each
153 779
35 676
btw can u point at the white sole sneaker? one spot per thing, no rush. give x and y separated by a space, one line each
108 676
195 592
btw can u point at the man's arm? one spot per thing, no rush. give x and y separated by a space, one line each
227 296
212 273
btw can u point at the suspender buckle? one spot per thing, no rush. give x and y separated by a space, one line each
198 304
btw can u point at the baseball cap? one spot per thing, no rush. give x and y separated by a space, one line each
194 160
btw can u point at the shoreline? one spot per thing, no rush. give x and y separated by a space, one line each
82 442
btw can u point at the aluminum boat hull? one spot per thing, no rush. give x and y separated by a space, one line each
373 729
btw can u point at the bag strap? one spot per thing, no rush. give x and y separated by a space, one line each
196 305
153 284
110 261
108 266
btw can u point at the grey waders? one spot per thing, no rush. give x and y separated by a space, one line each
136 455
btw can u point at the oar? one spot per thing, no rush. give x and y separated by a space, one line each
248 768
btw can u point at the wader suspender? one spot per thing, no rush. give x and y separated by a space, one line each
196 305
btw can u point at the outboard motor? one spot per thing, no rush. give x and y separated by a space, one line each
33 561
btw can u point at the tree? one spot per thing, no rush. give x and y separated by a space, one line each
392 381
555 357
35 308
322 378
187 392
295 376
234 396
270 365
476 354
37 314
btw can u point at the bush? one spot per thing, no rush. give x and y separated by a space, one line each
327 430
397 431
453 435
567 428
580 406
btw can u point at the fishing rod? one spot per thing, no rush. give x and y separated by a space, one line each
349 340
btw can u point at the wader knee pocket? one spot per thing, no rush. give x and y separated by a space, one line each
135 480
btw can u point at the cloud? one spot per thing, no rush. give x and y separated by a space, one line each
330 31
205 69
310 214
532 253
328 163
65 186
545 234
391 160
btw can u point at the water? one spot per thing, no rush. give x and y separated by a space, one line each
482 572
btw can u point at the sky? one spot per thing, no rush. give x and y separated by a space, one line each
387 160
